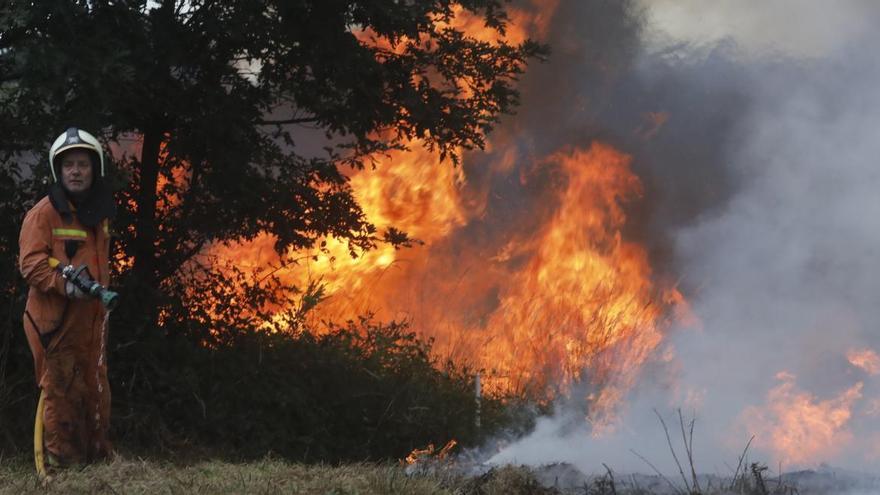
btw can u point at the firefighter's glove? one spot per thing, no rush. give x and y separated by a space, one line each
72 291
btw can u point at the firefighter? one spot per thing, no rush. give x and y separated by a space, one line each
67 330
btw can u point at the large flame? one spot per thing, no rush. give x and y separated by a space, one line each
569 300
585 300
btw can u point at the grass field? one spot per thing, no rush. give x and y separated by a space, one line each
269 476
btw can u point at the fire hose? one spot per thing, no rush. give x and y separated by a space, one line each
79 277
39 458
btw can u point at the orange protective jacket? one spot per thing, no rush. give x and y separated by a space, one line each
67 336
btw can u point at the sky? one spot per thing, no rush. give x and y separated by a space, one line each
792 27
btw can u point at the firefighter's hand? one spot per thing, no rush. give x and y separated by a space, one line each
72 291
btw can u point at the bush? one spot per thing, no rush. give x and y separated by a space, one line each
363 391
18 391
18 396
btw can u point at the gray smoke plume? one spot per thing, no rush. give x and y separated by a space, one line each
762 198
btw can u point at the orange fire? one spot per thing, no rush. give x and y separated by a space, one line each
585 302
529 20
799 428
408 190
429 453
570 300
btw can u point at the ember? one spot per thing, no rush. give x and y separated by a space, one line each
429 453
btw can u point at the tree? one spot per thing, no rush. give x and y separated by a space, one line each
214 93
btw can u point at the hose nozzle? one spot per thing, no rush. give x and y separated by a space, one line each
80 278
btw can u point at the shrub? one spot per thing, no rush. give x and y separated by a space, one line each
360 391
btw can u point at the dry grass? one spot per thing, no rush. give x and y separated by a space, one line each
270 476
266 476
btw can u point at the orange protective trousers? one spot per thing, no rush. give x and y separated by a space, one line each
67 337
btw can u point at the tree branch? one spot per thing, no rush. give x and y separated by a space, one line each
303 120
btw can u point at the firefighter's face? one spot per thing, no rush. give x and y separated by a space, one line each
76 171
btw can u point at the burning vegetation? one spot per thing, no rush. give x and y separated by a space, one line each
554 292
799 428
536 303
529 263
535 310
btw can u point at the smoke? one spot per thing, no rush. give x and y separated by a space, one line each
788 27
755 130
785 267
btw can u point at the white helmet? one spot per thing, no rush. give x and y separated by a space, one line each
75 138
